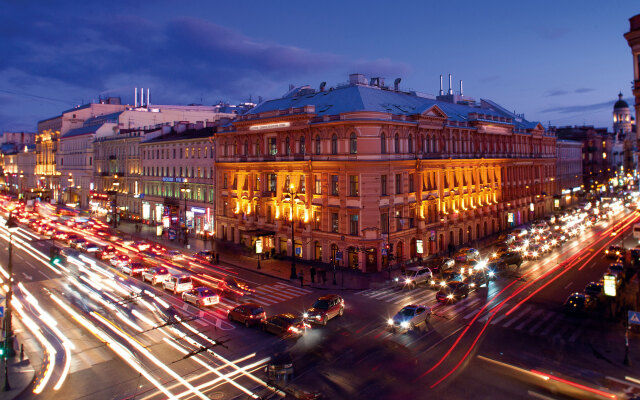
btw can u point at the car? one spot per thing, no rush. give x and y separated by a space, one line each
248 314
594 289
511 258
614 251
617 269
231 285
409 318
201 296
414 276
60 235
156 249
106 252
280 367
452 291
173 255
579 303
204 255
141 246
466 254
476 279
136 268
76 243
325 308
89 247
440 264
533 252
444 278
71 237
156 275
120 259
287 325
178 283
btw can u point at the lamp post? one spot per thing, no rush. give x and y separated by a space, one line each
8 331
21 195
115 200
70 185
291 198
185 189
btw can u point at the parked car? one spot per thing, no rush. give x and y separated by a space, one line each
614 251
452 291
201 297
617 269
410 317
594 289
248 314
466 254
325 308
579 303
287 325
414 276
178 283
156 275
106 252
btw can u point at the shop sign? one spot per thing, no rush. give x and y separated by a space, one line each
198 210
419 248
269 126
510 218
610 285
259 246
556 203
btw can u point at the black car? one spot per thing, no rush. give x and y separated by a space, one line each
287 325
594 289
512 258
614 252
444 278
579 303
280 367
452 292
439 264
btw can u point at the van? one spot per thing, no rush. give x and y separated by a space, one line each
178 283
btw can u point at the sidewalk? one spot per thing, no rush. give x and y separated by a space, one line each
233 255
21 372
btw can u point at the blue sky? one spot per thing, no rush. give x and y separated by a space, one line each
557 61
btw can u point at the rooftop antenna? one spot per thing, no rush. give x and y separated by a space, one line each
135 98
450 88
460 87
148 97
441 91
141 97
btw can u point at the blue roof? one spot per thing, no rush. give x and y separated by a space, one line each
82 131
366 98
101 119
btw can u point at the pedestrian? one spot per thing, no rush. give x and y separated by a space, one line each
217 258
313 274
301 277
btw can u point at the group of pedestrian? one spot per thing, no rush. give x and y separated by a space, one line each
321 274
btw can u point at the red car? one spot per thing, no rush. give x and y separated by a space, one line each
106 252
247 314
325 308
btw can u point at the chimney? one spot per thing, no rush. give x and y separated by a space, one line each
148 97
396 84
460 87
141 97
441 91
135 98
450 85
322 85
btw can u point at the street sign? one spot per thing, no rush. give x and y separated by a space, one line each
338 256
298 251
2 312
610 285
634 317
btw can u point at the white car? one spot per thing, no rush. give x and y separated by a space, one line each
411 317
201 296
178 283
156 275
174 255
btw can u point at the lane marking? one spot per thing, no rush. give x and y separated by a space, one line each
569 284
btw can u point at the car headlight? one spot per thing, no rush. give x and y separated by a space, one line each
450 296
494 255
443 283
492 274
404 324
472 285
407 281
305 315
396 279
318 316
535 254
390 321
433 282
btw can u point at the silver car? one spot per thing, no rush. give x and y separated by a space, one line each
411 317
414 276
201 296
156 275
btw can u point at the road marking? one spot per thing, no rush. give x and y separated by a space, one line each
550 327
561 333
20 256
362 292
293 288
532 316
542 320
387 293
496 320
28 277
471 314
523 313
570 283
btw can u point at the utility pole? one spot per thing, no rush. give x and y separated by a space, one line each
8 331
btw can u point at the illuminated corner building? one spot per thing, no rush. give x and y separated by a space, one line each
633 39
568 173
177 164
378 172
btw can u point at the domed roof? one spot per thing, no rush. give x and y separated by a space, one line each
620 103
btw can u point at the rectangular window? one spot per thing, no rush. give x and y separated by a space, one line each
273 181
354 188
245 184
412 218
234 186
383 185
384 222
334 185
318 184
334 222
317 218
256 183
398 183
271 145
411 183
287 184
269 216
225 182
353 225
302 185
174 153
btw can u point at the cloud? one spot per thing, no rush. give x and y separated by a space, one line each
581 108
551 33
583 90
557 92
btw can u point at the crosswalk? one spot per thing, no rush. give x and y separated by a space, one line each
400 296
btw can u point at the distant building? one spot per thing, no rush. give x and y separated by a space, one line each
568 172
18 138
633 40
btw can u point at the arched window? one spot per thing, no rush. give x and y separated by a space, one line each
302 146
334 144
287 146
410 143
353 144
318 144
245 151
383 144
396 141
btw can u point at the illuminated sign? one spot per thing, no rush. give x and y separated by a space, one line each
270 126
259 246
531 207
566 191
610 285
510 217
198 210
166 222
169 179
556 203
576 189
419 248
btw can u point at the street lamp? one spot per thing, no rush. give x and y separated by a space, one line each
185 190
21 176
115 200
292 198
8 331
70 186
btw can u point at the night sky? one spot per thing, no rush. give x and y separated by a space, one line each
557 61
